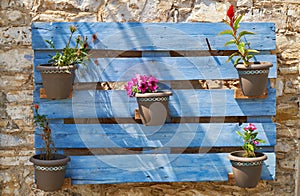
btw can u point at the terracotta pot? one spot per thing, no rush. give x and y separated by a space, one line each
153 107
254 78
50 174
57 81
246 171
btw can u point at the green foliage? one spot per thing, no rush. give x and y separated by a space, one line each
243 49
42 124
70 56
250 139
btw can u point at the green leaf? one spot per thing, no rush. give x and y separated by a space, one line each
250 56
50 42
226 32
237 21
241 48
229 42
242 33
253 51
260 141
239 133
237 61
231 56
251 147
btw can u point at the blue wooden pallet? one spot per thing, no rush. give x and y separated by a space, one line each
97 127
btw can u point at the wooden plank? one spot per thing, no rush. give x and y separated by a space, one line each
156 168
43 94
238 94
138 136
183 103
151 36
164 68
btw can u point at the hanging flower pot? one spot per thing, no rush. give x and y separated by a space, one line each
153 107
58 75
57 81
246 170
50 174
247 164
253 78
153 104
49 167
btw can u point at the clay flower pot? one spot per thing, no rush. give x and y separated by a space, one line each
254 78
57 81
246 171
50 174
153 107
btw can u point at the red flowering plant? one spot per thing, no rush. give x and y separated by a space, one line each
42 124
243 49
141 84
250 140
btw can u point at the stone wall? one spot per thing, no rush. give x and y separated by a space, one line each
16 85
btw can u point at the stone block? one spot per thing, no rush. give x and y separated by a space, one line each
288 162
13 17
212 12
14 36
19 96
279 87
17 112
286 113
7 140
244 3
286 145
16 60
16 81
293 69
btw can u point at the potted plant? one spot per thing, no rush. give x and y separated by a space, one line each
153 104
247 164
49 166
253 76
58 74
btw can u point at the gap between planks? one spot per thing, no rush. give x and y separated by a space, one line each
173 150
218 119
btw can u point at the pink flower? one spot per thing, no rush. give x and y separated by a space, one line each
141 84
128 88
134 81
250 127
255 142
143 78
153 83
143 87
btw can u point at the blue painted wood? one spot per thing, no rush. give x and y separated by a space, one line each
156 168
200 103
149 36
155 40
260 119
180 135
164 68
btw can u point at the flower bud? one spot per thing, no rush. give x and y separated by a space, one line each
73 29
36 106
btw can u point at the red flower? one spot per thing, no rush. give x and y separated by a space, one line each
230 14
36 106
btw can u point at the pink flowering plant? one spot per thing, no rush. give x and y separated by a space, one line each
250 140
141 84
244 52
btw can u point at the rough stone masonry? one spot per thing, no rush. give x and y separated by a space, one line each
16 86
